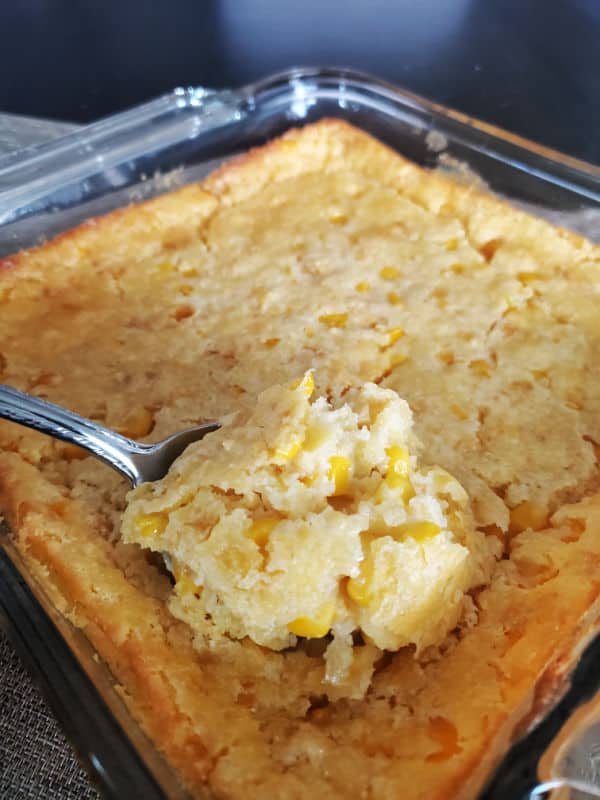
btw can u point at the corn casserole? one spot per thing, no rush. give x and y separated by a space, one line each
321 254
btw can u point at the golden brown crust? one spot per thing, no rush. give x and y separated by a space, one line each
137 228
332 144
138 310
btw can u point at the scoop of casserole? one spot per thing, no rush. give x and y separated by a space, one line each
299 519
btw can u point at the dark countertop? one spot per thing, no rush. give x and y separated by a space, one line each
530 66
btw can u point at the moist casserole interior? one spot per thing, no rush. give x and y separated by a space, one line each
305 254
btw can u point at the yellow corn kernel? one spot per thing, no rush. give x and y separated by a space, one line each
527 515
154 524
314 627
389 273
261 529
419 531
452 244
166 267
338 217
334 320
339 473
363 286
306 383
315 437
398 359
187 585
138 424
458 411
398 475
394 299
398 466
287 450
402 485
403 489
394 334
457 269
481 367
528 277
360 588
446 357
184 581
270 343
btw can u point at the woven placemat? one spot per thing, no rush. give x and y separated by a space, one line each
36 761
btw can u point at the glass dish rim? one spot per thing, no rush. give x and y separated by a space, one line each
49 160
420 102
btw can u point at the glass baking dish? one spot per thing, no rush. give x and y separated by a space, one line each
179 138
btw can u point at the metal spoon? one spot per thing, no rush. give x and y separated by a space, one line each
136 461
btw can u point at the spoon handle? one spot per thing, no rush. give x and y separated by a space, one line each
116 450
